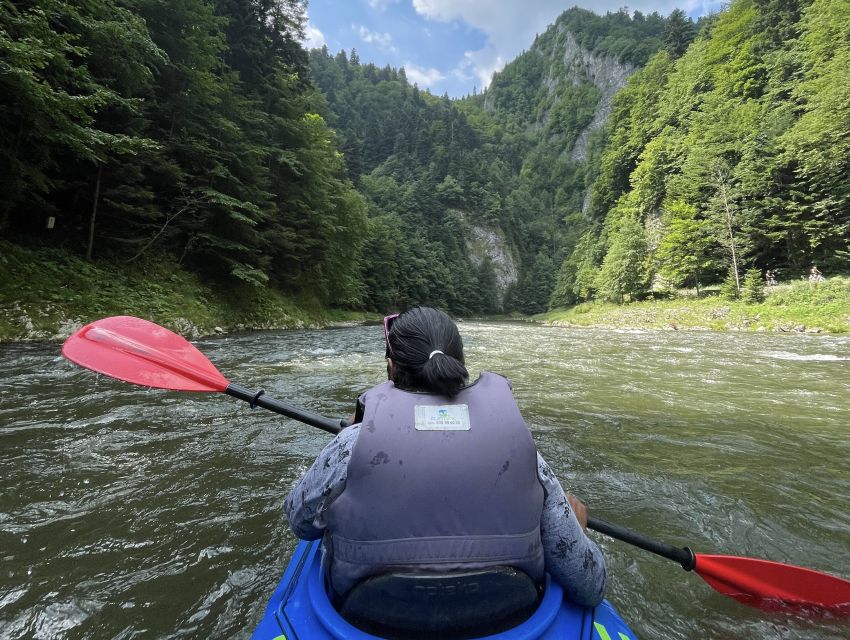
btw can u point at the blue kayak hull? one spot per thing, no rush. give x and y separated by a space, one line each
301 610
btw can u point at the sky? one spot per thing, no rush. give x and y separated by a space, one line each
452 46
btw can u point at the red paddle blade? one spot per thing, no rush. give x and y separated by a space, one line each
773 585
141 352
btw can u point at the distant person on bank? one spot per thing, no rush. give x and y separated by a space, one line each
440 475
770 278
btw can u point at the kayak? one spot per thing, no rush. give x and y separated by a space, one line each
300 609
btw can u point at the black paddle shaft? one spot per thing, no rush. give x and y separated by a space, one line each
683 555
259 399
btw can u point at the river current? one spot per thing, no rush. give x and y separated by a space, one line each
128 512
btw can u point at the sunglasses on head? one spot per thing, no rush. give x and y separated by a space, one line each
388 323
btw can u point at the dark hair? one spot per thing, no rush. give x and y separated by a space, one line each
414 336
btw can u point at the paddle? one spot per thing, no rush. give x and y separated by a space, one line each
757 583
144 353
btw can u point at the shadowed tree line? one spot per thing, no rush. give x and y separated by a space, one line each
185 127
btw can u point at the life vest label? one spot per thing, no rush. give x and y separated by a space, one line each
442 417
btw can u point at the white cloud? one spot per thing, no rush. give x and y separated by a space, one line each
421 76
380 5
313 38
510 25
482 64
383 40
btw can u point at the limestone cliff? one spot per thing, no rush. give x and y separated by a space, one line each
604 71
484 242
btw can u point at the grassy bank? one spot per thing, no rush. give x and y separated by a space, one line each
48 293
795 306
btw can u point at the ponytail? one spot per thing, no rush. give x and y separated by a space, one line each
444 374
427 352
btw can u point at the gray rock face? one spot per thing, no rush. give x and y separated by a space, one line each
490 243
605 72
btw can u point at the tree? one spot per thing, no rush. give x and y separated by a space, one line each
815 150
450 192
753 289
576 279
67 96
727 219
108 149
683 252
678 33
486 289
623 272
535 284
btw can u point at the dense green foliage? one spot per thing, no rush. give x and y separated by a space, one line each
629 38
736 156
228 151
185 127
427 177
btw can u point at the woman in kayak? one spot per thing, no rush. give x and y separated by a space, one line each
438 475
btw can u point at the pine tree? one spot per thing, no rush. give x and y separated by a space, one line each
678 33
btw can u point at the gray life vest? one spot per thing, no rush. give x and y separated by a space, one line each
437 484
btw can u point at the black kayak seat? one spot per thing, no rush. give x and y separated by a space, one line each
451 606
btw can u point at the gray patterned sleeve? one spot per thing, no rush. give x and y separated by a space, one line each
572 559
324 480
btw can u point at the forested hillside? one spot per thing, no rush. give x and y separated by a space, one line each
474 203
188 128
618 154
126 135
734 157
427 175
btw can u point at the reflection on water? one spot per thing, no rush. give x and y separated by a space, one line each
127 512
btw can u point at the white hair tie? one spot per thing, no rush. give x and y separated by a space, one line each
435 352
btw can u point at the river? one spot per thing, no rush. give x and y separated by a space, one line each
134 513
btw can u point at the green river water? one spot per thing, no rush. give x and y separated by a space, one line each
134 513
